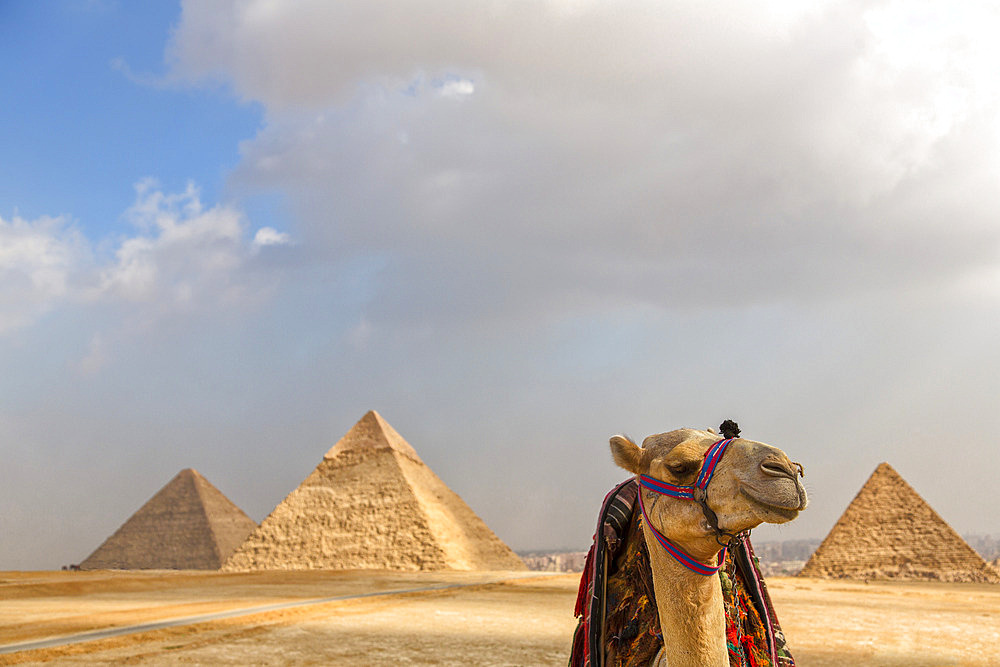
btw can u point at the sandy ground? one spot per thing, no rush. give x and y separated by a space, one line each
920 624
516 622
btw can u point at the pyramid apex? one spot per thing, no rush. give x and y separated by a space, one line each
884 470
372 431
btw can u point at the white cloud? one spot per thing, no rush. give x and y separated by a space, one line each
185 255
39 262
603 156
183 252
316 53
457 89
181 256
266 236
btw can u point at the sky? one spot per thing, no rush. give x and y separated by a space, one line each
229 229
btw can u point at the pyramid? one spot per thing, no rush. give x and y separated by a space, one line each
371 503
187 525
890 532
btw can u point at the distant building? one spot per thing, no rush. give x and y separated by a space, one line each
555 561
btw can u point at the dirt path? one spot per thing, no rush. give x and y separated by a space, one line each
119 631
39 605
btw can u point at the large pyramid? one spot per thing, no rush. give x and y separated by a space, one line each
372 503
187 525
890 532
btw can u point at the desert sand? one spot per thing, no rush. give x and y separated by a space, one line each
525 620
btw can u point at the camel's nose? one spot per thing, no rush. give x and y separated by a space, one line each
775 466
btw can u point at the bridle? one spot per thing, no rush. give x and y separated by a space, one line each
699 494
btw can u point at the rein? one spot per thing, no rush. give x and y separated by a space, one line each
698 493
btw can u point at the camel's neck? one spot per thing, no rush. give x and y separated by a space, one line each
692 614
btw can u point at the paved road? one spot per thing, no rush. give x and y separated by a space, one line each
246 611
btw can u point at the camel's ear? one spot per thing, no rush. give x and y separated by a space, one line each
627 454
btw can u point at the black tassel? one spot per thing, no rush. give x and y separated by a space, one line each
729 429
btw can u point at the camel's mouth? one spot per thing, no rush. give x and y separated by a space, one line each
776 508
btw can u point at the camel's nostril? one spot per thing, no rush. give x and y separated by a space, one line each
777 469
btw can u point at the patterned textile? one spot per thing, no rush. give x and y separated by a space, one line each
746 637
632 628
612 522
619 625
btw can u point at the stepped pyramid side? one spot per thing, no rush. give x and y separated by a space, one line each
467 542
353 512
890 532
372 503
188 524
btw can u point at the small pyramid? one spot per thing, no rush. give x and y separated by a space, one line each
188 525
371 503
890 532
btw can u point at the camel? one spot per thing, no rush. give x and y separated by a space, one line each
752 483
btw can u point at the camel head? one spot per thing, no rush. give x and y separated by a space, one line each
753 483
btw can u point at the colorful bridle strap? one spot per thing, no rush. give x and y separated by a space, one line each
712 458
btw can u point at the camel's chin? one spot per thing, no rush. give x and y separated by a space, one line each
772 509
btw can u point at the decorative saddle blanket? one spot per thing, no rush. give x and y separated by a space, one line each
619 625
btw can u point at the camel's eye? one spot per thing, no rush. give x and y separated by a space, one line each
682 469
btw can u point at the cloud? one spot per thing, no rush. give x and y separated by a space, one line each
40 263
662 155
266 236
145 79
574 48
457 88
179 257
183 252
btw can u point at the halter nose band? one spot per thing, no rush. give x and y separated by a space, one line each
712 458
